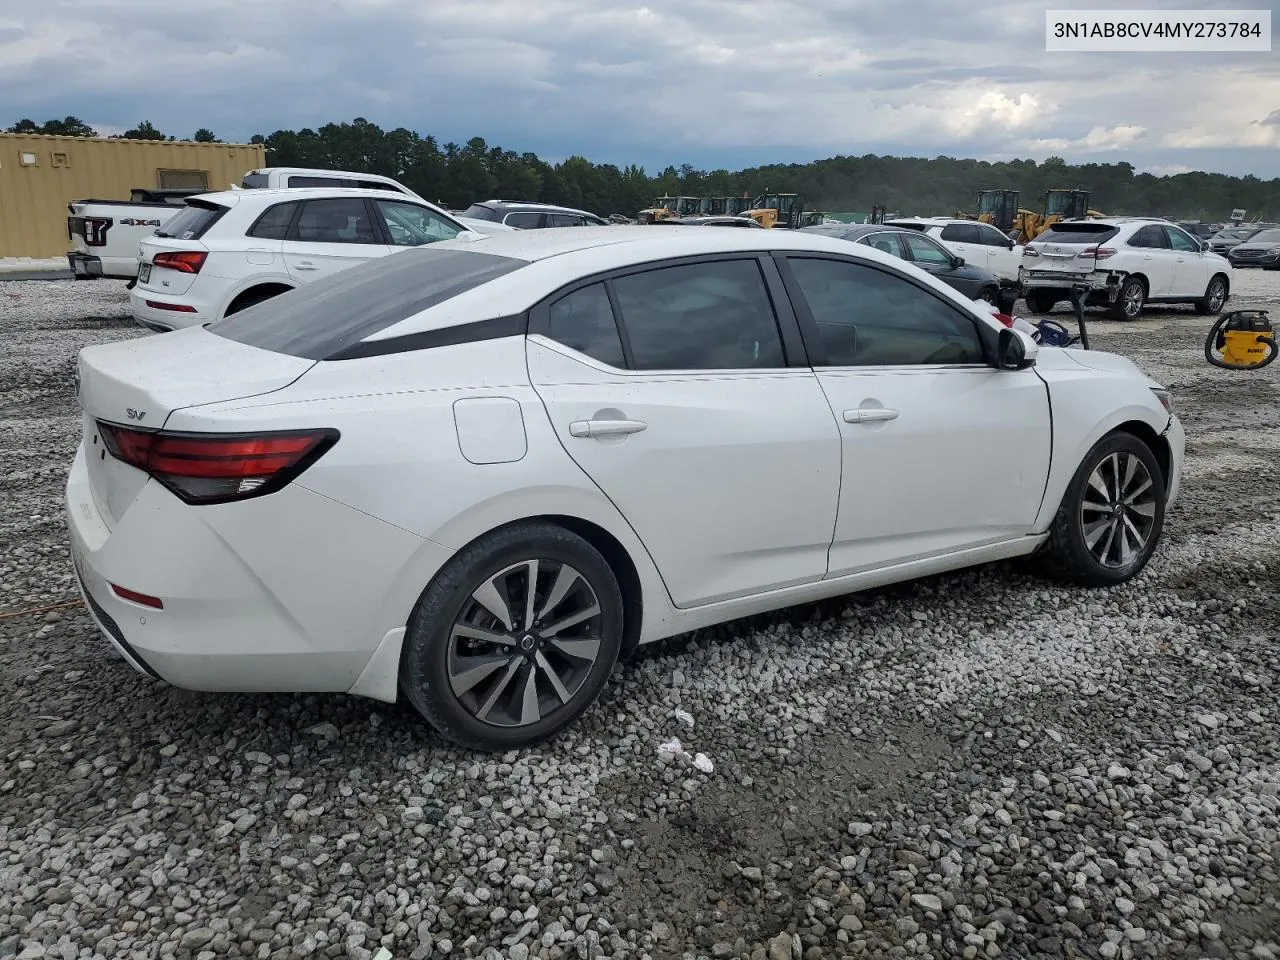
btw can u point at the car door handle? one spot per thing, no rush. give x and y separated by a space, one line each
871 415
605 428
305 265
1148 257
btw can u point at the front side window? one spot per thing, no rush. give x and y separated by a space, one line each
870 317
991 237
701 316
584 321
410 225
274 223
1180 242
336 220
922 249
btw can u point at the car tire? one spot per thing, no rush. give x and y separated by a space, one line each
1084 545
1040 301
475 689
989 295
1215 296
1130 300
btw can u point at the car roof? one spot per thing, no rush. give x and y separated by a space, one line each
855 229
529 205
562 255
272 194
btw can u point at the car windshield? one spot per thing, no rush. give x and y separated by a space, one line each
1236 233
324 317
1266 236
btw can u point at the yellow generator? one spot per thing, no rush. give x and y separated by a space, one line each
1241 340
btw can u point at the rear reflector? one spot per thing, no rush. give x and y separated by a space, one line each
176 307
132 595
184 261
202 468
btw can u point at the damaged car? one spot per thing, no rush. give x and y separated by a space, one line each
1126 263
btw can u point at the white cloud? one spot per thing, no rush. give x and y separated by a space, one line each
754 79
1166 169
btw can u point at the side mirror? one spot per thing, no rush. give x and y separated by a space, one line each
1015 350
957 263
1010 244
1204 246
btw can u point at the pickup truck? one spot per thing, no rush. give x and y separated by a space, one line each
105 234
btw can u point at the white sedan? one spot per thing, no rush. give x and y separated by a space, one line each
227 251
476 473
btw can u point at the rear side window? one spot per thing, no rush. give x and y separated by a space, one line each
584 321
701 316
274 223
193 222
335 220
324 317
961 233
524 220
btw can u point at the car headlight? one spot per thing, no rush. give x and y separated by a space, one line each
1165 398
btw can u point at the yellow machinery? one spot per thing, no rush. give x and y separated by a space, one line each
996 207
1241 340
664 208
1058 205
777 210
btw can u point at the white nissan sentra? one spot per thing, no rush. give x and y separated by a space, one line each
476 473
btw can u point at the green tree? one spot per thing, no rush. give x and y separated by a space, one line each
205 135
143 131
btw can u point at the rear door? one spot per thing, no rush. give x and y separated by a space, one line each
962 239
716 444
1153 259
329 235
1191 272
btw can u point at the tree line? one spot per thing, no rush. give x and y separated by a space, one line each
456 175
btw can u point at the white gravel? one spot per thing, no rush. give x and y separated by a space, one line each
976 765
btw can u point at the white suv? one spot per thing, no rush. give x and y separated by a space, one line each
979 243
1127 262
227 251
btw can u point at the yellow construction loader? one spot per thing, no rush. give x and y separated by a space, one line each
1058 205
778 210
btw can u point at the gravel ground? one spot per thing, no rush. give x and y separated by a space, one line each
976 765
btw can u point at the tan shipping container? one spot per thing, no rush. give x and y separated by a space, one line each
40 175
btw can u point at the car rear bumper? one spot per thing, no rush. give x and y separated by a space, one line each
288 593
1104 284
87 266
155 311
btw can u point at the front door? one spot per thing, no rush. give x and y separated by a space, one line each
1190 276
330 235
1156 261
685 413
940 450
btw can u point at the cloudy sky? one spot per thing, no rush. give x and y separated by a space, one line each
715 83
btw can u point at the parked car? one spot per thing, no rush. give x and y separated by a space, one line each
473 474
527 215
1128 262
228 251
1227 238
275 178
1201 231
1260 250
712 221
975 282
105 234
979 243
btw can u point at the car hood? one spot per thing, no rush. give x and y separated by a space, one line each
1109 363
1267 247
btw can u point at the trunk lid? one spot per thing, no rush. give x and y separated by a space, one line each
139 383
1068 247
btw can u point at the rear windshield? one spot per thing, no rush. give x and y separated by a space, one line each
1078 233
254 181
193 222
478 211
326 316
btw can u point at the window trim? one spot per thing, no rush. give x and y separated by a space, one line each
792 342
813 339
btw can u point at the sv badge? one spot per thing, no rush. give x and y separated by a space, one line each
136 414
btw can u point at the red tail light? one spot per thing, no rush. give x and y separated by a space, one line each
95 231
184 261
203 468
1098 253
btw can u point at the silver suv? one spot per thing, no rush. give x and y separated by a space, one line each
527 215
